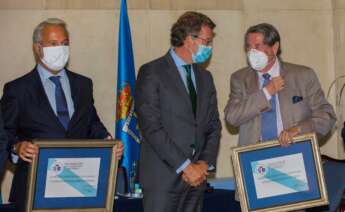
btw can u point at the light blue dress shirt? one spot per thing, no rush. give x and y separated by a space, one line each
179 64
49 88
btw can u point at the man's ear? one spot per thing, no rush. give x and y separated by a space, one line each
276 47
188 41
38 51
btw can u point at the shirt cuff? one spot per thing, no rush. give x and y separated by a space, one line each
183 166
267 95
211 168
14 158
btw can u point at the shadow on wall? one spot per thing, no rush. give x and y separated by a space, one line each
231 129
322 140
6 181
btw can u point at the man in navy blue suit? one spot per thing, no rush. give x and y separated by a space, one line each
50 102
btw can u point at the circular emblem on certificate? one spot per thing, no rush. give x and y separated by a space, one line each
57 168
261 170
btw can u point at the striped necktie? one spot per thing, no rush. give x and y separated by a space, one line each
269 130
61 103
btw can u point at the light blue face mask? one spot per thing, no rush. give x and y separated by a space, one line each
203 54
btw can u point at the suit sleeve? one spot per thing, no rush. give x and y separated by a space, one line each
322 117
213 129
97 129
10 113
242 108
147 105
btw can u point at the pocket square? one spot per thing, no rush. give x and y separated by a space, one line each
296 99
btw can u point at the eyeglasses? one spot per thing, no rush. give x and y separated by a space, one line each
208 42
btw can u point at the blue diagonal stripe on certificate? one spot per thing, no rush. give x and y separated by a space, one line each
285 179
77 182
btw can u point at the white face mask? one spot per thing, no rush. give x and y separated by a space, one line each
55 57
258 60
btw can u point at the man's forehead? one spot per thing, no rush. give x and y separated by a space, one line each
53 29
255 36
206 30
50 32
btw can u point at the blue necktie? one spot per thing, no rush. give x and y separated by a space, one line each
269 129
61 103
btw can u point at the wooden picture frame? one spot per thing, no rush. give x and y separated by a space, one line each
72 176
274 178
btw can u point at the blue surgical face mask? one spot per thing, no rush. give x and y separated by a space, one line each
203 54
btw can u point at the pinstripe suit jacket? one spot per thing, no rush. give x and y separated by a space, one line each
247 101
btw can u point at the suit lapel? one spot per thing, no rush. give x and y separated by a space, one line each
42 100
284 99
252 86
175 77
199 87
75 97
252 82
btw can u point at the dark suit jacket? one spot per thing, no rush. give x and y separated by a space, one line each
168 124
3 146
28 115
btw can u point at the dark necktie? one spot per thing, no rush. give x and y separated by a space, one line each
190 85
192 96
269 129
61 103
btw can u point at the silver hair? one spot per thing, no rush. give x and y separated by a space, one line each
37 35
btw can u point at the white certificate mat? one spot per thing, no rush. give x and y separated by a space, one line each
72 177
279 176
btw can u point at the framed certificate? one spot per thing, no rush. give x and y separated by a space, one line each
274 178
71 176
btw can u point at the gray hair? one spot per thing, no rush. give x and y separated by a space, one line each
37 35
270 33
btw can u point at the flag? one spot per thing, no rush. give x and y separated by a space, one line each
127 129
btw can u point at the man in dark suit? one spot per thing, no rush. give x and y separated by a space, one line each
177 111
50 102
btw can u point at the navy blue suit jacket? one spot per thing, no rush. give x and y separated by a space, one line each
28 115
